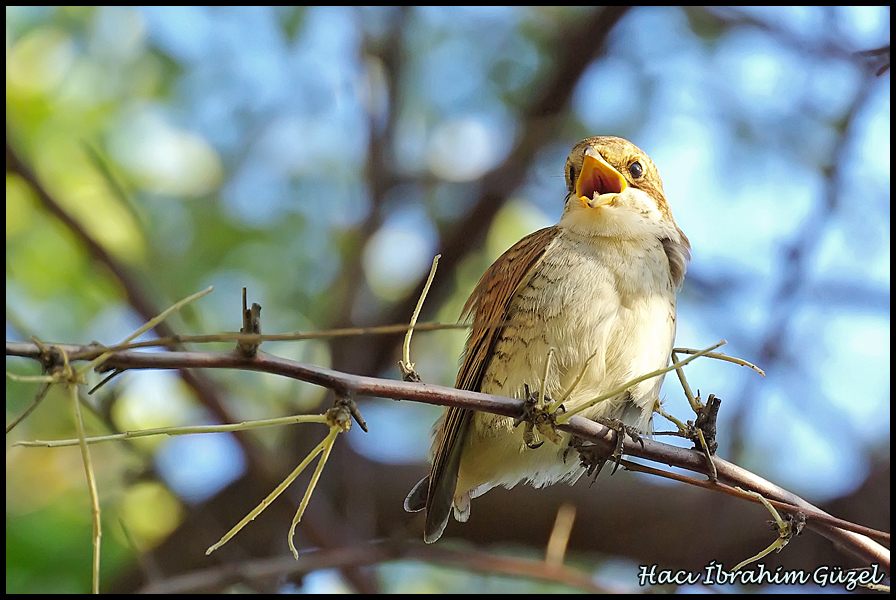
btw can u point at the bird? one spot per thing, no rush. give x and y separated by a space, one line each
597 291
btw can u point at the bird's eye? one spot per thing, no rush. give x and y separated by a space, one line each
571 173
636 170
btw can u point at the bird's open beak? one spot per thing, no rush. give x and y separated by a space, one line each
598 183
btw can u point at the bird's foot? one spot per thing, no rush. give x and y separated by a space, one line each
539 419
621 430
594 457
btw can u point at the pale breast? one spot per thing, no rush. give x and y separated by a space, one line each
587 297
612 300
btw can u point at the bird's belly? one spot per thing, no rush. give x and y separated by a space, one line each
602 330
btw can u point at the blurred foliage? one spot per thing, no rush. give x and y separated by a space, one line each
321 156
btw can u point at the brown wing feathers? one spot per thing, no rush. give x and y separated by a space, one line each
488 306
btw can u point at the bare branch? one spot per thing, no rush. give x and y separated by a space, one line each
350 385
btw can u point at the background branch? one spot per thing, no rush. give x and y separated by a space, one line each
573 49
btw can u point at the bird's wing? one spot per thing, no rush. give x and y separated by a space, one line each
488 305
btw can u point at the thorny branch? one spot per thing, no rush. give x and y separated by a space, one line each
346 384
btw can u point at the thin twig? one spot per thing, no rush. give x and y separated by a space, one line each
185 430
41 393
682 428
566 416
406 366
89 352
326 447
723 357
272 496
815 515
786 531
544 376
713 473
695 404
91 480
149 325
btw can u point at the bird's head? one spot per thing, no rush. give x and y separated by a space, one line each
615 191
